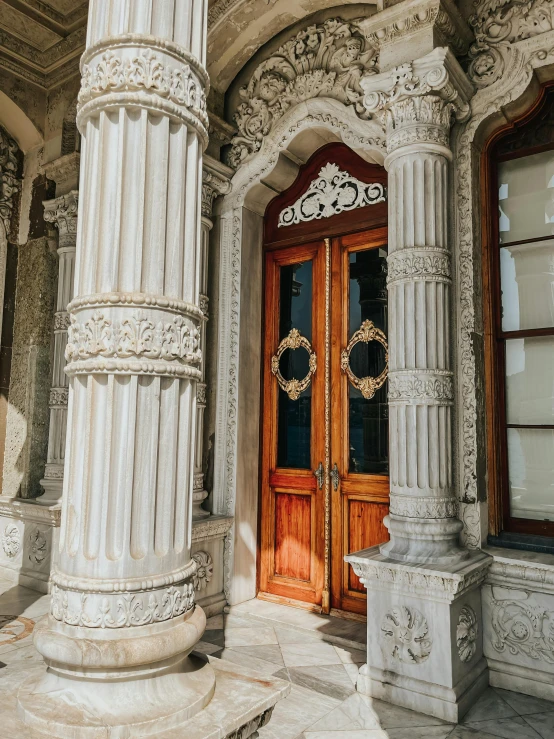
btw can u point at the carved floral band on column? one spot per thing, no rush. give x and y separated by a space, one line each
133 333
157 75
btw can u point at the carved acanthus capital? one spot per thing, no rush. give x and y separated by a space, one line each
62 212
215 181
9 183
418 101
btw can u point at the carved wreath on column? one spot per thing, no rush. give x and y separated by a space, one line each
405 634
294 387
466 633
368 386
333 192
322 60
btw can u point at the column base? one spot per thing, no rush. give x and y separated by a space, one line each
424 540
62 706
424 632
53 490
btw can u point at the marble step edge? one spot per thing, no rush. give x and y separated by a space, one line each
274 621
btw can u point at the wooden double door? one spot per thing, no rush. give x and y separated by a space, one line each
324 486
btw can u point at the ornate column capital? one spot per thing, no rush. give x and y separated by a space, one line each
418 101
215 181
9 183
62 212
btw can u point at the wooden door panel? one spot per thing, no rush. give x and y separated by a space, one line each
293 535
291 552
363 525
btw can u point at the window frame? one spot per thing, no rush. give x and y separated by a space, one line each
500 518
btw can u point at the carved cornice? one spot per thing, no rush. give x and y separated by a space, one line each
376 572
63 169
29 511
415 98
498 24
214 527
9 184
405 19
322 60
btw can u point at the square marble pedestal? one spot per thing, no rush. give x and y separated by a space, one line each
424 635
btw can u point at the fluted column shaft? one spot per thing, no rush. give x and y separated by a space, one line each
417 104
62 212
124 574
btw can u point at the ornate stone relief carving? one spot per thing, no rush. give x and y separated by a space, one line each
405 635
146 71
326 59
8 180
417 101
250 729
136 336
423 507
499 23
63 212
38 546
430 262
333 192
121 610
212 186
522 628
204 571
466 633
420 387
11 540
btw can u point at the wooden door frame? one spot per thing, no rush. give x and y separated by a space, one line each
346 224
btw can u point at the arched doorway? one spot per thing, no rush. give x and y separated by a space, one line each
324 466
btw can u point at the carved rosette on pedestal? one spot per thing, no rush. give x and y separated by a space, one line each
61 212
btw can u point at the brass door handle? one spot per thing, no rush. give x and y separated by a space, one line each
335 477
319 475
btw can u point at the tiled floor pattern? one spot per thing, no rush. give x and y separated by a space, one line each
323 702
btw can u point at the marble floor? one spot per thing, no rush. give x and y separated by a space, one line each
319 655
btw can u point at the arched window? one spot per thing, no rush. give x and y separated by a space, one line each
519 301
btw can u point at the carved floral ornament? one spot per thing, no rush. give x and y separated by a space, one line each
521 626
323 60
204 570
405 635
333 192
499 23
136 336
467 631
11 540
9 183
176 81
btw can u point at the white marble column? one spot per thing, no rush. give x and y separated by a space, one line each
62 212
214 183
417 104
123 619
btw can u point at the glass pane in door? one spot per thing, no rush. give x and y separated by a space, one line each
368 417
295 415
